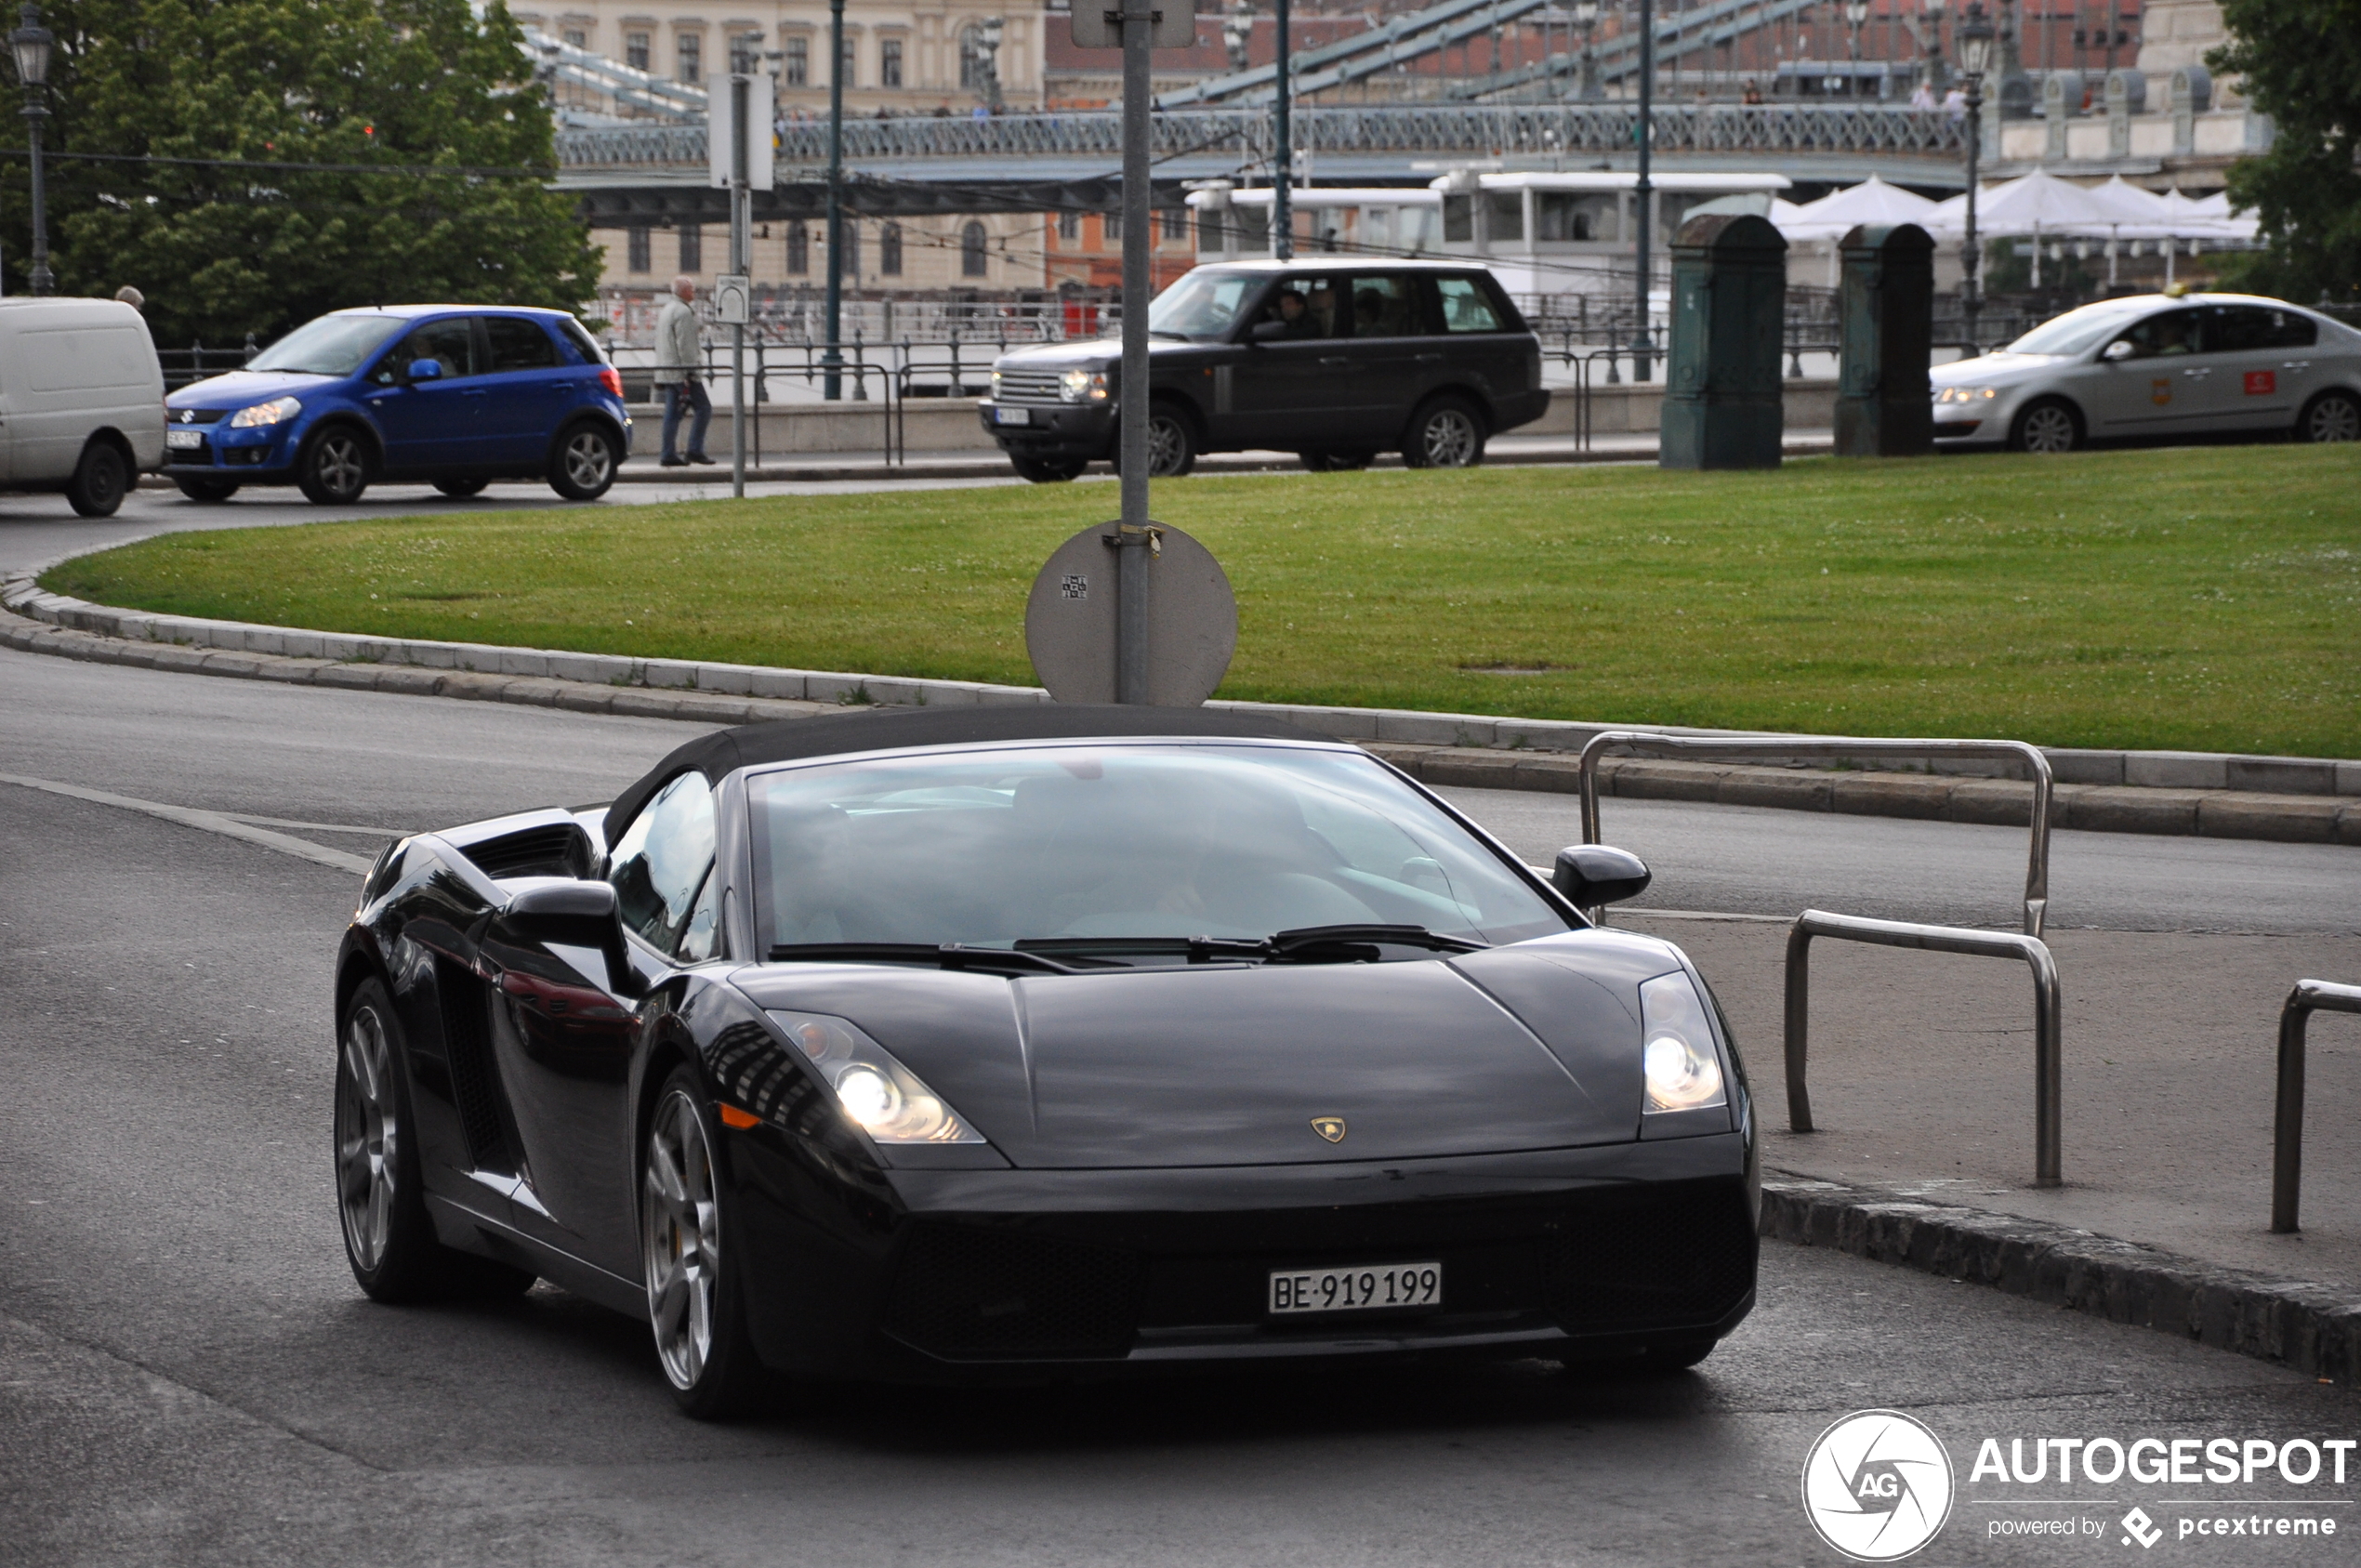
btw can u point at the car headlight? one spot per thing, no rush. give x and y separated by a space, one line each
995 386
1966 394
1083 386
272 413
1683 1071
883 1098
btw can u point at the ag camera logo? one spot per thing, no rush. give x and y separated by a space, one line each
1878 1487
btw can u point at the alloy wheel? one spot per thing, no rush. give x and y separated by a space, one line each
2333 420
368 1135
338 466
1449 439
681 1232
1165 444
2048 429
587 460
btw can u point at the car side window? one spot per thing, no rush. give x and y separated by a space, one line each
1381 306
450 343
1310 308
2258 326
1466 307
661 861
579 344
2169 334
518 343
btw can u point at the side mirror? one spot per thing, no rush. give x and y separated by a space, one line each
1590 874
2119 350
1266 332
424 370
576 914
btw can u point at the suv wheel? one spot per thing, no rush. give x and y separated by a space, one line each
2047 426
2330 416
334 470
1446 432
586 461
1042 472
99 481
1172 444
206 489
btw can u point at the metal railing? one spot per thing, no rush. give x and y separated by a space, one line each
1473 130
2047 1056
2029 947
182 367
2287 1142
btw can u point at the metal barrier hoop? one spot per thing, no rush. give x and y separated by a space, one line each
2286 1138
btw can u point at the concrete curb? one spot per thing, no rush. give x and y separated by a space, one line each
2314 1328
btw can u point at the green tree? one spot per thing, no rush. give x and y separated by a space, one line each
2300 64
221 251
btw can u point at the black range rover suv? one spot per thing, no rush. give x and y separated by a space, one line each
1334 360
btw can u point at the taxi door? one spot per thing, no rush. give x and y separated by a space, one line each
2152 380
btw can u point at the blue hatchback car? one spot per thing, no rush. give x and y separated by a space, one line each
451 395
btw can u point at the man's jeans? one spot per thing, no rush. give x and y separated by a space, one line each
691 392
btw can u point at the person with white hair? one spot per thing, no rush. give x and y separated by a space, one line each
131 297
680 372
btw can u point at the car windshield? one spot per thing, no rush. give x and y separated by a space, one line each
330 346
2074 332
1203 304
1126 843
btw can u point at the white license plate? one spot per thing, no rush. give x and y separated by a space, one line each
184 438
1012 416
1370 1288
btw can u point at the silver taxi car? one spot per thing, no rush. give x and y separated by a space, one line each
2157 365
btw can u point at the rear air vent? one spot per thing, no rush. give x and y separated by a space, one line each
553 849
467 1043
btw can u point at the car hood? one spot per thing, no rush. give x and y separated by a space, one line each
1993 370
1095 351
241 389
1534 1046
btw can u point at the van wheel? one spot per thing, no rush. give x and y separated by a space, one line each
334 470
1446 432
207 490
460 489
100 480
583 468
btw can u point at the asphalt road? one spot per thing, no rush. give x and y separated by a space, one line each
187 1376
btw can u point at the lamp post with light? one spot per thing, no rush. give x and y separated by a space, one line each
1856 17
1933 9
988 58
31 43
1586 17
1973 37
1237 35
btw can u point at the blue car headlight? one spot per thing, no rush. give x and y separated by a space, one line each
276 411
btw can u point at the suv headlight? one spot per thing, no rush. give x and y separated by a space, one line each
1683 1071
1966 394
995 386
1083 386
272 413
884 1098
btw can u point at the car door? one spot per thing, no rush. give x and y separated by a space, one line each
1479 345
1288 392
433 426
527 390
2253 386
1384 357
563 1040
2154 384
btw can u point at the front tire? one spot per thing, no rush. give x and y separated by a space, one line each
583 468
99 481
389 1238
1446 432
2331 416
687 1237
1038 470
2048 426
1172 444
334 469
207 489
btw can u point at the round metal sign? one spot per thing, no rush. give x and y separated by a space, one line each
1192 618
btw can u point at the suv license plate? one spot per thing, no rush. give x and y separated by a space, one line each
1372 1288
182 440
1012 416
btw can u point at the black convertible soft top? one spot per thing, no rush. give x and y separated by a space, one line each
785 740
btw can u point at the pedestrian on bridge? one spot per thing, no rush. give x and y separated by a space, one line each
680 372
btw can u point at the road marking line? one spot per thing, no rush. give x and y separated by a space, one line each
207 822
316 827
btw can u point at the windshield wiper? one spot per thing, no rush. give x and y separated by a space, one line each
1199 950
1325 944
1305 940
948 954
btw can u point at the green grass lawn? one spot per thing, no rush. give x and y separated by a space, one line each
2205 598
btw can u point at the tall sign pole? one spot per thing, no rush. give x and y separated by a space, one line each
832 384
1283 133
1643 194
741 266
1131 535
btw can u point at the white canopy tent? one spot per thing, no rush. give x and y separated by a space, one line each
1825 222
2045 208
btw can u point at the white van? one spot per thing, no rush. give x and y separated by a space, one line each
81 400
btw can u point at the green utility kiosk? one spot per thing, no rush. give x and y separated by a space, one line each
1721 395
1885 313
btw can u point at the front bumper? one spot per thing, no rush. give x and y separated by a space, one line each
1053 433
1571 1254
248 455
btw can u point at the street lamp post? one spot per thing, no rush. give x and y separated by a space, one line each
1856 17
989 37
1643 192
1586 17
1238 34
1974 37
1933 9
832 356
31 43
1283 135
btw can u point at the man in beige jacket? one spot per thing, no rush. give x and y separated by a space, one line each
680 372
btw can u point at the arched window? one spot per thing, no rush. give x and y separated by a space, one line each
972 252
890 250
972 55
798 247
